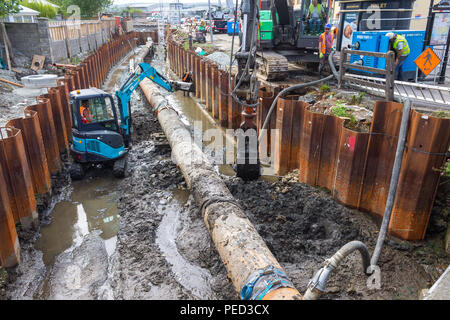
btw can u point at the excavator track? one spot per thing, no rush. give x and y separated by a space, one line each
273 66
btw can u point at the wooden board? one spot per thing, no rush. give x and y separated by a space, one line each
37 63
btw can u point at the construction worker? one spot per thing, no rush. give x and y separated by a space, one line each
316 16
202 27
86 115
187 77
400 46
325 46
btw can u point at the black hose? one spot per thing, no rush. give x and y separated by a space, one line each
285 91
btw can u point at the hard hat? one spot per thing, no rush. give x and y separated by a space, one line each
328 26
390 35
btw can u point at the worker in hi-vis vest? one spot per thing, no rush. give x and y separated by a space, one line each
325 46
86 115
316 16
400 46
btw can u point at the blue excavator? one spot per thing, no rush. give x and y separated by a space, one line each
102 133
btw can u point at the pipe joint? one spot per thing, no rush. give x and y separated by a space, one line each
318 283
320 279
263 281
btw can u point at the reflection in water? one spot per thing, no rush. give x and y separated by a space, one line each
189 275
93 206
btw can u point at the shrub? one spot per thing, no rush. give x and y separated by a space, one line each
45 10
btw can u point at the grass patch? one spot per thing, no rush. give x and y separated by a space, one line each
441 114
324 88
356 100
75 60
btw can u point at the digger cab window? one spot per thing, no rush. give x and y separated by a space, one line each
97 114
101 109
315 16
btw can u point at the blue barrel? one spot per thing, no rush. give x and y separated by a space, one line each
230 27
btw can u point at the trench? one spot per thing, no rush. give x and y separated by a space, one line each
146 232
85 219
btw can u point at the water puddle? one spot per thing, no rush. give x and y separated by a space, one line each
190 276
92 206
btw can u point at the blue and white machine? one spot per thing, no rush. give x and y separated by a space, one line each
376 41
101 134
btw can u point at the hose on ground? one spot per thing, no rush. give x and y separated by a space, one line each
317 286
285 91
394 183
334 74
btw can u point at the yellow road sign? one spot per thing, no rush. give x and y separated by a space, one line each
427 61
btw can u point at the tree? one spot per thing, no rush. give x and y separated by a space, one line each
45 10
88 8
128 12
8 6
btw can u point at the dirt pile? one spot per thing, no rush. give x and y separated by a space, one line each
3 282
303 226
163 250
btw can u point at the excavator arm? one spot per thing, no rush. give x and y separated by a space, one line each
124 93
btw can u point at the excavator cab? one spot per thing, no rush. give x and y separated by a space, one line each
314 17
293 26
97 136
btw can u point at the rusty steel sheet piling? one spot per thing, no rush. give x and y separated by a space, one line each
289 122
234 109
9 241
223 98
48 131
329 146
19 183
59 119
239 245
428 142
197 77
203 81
350 167
35 151
380 156
265 100
65 105
208 76
215 94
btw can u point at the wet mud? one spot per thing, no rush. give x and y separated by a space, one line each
303 226
143 237
163 250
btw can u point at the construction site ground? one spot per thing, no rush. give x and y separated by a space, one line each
143 237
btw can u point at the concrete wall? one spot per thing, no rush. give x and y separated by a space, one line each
59 50
31 38
74 47
84 44
24 37
92 42
99 39
34 39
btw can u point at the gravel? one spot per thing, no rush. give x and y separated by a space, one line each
222 59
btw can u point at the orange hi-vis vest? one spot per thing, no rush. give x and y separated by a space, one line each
323 42
85 114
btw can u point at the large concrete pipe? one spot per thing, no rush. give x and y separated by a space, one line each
241 248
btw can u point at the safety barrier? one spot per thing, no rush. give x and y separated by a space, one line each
355 166
31 147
